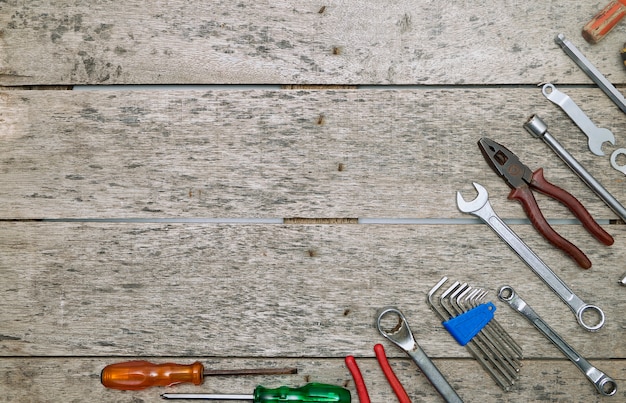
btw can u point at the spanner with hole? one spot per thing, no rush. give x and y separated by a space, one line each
402 337
603 383
614 164
481 208
596 135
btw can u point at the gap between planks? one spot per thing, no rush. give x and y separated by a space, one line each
276 87
307 220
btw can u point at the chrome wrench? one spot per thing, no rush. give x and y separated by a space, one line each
402 337
596 135
614 164
481 208
591 70
603 383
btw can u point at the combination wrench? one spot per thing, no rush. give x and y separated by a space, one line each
596 135
402 337
481 208
603 383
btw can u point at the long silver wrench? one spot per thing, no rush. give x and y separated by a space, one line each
603 383
591 70
481 208
402 337
538 128
596 136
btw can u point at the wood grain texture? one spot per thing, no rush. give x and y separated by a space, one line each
74 379
327 154
276 291
295 42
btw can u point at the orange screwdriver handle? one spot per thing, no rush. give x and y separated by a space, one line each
137 375
604 21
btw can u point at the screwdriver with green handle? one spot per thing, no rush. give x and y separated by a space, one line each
309 393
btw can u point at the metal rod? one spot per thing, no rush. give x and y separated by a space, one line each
536 127
593 73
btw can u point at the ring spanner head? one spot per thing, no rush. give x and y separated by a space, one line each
474 205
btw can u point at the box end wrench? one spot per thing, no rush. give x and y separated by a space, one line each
481 208
596 136
402 337
603 383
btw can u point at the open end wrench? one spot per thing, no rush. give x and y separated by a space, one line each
481 208
603 383
402 337
596 135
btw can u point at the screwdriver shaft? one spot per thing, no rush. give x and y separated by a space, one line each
251 371
206 396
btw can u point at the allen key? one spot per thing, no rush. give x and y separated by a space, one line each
492 347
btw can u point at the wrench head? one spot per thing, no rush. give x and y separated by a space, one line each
614 164
474 205
600 136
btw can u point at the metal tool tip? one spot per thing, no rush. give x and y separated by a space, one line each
560 38
535 126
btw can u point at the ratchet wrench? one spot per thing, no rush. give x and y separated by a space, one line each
596 135
603 383
402 337
481 208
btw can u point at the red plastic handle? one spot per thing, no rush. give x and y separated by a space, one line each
531 208
524 195
540 183
397 387
361 389
603 22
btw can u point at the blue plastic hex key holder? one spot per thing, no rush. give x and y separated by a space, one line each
467 325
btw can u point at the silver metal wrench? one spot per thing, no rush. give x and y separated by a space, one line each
481 208
538 128
402 337
596 135
614 164
593 73
603 383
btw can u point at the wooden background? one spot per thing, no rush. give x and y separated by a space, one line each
228 183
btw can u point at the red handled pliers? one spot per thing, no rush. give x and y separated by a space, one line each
361 389
522 181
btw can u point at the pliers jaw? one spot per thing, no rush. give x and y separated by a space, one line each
505 163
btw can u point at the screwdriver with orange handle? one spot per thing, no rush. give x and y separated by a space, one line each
604 21
138 375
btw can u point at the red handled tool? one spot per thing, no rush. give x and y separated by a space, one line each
604 21
361 389
522 180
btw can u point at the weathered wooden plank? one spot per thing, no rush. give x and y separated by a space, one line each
374 153
295 42
272 290
72 379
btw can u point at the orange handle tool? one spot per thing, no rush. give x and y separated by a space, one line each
137 375
604 21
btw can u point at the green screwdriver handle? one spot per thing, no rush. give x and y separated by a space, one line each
309 393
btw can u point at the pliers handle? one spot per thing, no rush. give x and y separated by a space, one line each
524 195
